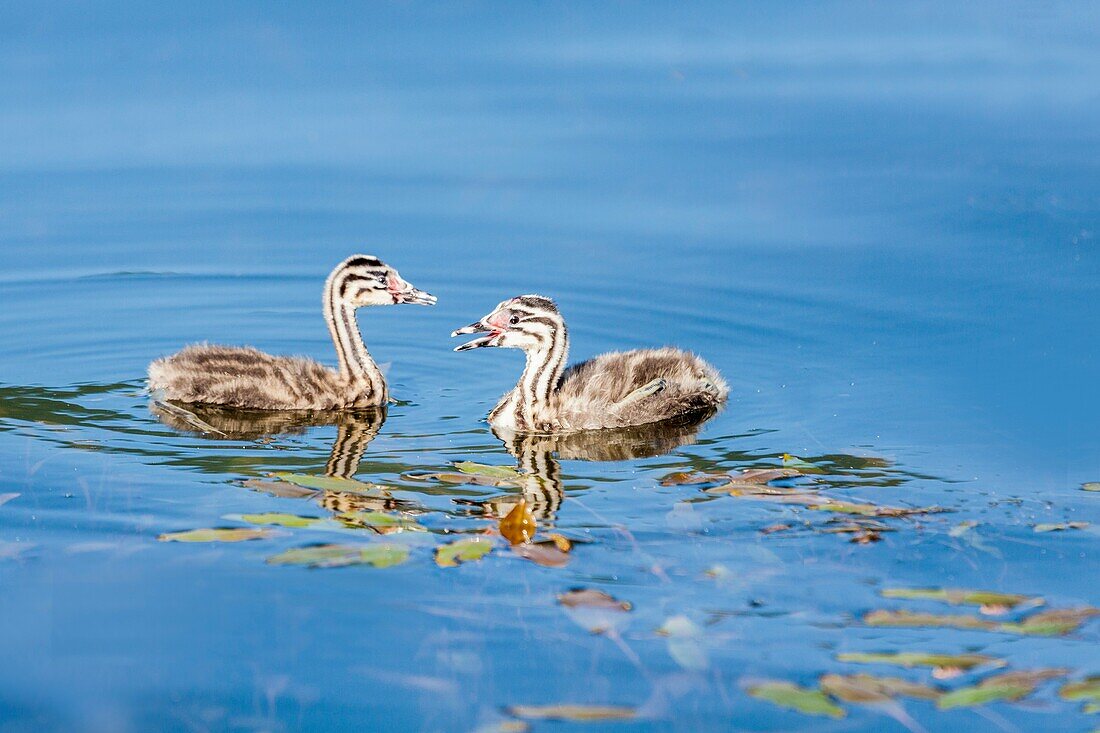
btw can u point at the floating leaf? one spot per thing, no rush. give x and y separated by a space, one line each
795 462
5 498
217 534
481 469
685 643
1086 690
468 549
791 696
681 478
868 689
505 726
333 483
337 556
281 520
380 522
1055 622
573 712
922 659
1060 526
765 475
990 601
1002 687
592 598
518 526
1091 486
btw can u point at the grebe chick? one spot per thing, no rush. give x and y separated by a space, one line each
615 390
244 377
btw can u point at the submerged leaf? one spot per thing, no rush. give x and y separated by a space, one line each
874 510
922 659
546 554
962 596
909 619
962 528
518 526
332 483
1060 526
791 696
336 556
217 534
5 498
1008 686
868 689
468 549
280 489
573 712
685 643
1091 486
592 598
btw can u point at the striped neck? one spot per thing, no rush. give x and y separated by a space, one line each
357 367
541 377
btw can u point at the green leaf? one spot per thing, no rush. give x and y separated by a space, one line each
1007 686
281 520
469 549
481 469
336 556
795 462
960 596
1086 689
908 619
868 689
1060 526
978 695
1091 486
573 712
1055 622
381 522
922 659
791 696
217 534
332 483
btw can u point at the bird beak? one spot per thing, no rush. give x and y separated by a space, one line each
476 327
406 293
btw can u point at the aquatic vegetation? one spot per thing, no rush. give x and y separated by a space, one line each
217 534
468 549
802 699
339 556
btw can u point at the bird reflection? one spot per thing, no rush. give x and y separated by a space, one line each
354 432
538 457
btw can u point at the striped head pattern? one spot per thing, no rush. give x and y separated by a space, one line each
365 280
529 322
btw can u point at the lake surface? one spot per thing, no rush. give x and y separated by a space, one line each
880 224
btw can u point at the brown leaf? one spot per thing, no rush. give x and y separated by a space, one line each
519 526
546 554
592 598
772 528
865 688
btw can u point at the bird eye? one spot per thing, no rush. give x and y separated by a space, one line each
382 278
513 320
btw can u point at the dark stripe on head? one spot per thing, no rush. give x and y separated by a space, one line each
537 302
364 261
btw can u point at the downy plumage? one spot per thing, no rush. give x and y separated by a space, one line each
244 377
615 390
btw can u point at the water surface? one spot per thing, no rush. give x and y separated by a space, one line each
880 224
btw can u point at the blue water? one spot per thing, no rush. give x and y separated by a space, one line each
880 223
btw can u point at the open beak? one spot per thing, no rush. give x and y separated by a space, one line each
476 327
406 293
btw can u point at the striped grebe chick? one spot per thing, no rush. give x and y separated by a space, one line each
615 390
246 378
